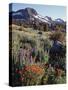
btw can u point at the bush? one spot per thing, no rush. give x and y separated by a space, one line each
32 75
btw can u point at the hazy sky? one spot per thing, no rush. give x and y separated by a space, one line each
44 10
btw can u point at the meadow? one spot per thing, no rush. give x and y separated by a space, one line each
32 60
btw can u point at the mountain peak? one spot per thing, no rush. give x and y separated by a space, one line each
48 18
59 20
31 10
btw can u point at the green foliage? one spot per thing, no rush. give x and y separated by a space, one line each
41 44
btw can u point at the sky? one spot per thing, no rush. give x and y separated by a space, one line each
44 10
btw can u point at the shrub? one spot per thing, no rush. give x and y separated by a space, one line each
33 75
